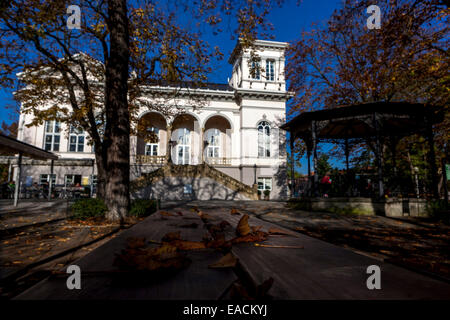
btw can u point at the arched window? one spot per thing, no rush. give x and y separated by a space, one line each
263 139
213 138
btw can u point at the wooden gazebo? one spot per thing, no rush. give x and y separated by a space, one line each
369 122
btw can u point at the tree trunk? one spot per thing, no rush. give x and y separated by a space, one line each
101 175
117 131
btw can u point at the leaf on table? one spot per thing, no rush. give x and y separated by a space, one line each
243 227
239 292
204 216
171 236
135 242
251 237
281 232
263 289
165 258
234 212
227 261
255 228
224 224
218 242
186 245
166 214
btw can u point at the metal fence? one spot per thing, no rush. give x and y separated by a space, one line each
42 192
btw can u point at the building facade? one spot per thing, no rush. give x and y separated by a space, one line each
235 131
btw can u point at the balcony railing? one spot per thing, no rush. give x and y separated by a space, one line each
218 161
142 158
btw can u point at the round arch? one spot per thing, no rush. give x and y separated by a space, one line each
184 113
217 114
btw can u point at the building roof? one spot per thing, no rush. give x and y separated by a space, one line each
9 144
195 85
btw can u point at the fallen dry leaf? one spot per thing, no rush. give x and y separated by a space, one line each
186 245
135 242
234 212
165 213
227 261
243 228
251 237
171 236
281 232
162 259
255 228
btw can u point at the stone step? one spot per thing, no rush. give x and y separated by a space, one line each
201 170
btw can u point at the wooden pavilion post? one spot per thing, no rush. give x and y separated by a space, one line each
308 155
314 150
347 166
378 156
291 138
18 178
50 183
432 158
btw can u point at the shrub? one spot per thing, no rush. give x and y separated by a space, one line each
88 208
259 192
142 207
266 192
437 209
300 204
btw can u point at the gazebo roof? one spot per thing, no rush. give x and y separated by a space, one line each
9 144
356 121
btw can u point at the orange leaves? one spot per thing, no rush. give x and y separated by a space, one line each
234 212
248 234
165 214
243 227
281 232
174 239
186 245
239 292
136 257
227 261
251 237
171 236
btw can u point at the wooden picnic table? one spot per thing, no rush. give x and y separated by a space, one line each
318 271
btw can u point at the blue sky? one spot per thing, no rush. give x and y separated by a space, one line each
289 21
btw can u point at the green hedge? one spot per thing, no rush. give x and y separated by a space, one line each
143 207
94 207
88 208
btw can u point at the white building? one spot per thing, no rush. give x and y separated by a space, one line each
236 131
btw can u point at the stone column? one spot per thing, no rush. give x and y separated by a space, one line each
168 151
202 145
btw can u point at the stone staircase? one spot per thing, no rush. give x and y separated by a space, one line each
194 171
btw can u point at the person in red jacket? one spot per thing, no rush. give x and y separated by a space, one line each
326 184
